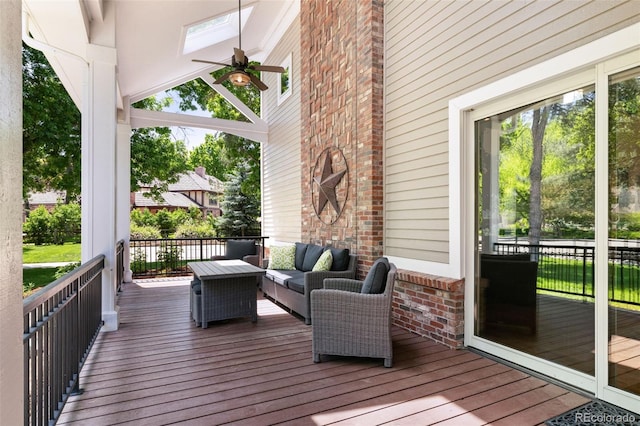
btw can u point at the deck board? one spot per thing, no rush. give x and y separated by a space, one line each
159 368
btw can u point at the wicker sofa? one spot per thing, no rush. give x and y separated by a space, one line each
292 287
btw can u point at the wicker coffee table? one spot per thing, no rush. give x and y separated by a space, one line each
228 290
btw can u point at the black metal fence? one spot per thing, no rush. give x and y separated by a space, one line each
169 257
61 322
569 269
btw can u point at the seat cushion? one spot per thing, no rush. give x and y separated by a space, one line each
237 249
296 282
376 279
311 256
278 276
340 258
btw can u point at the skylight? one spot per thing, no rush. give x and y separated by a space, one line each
213 31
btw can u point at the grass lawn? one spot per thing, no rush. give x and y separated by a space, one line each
34 278
69 252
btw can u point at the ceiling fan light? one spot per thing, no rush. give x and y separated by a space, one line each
240 78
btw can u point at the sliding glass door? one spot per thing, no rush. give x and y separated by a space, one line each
556 247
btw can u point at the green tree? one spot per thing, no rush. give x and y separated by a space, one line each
156 158
51 144
223 153
240 208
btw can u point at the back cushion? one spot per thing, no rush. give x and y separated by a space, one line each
301 249
311 256
237 249
376 279
340 259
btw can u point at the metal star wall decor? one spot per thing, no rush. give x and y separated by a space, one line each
328 186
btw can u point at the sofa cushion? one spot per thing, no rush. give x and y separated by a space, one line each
278 276
237 249
340 258
296 282
301 249
311 256
282 257
376 279
324 262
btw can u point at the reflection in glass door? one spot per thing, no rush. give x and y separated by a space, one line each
535 236
624 231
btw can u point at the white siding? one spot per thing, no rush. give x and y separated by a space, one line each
437 50
281 174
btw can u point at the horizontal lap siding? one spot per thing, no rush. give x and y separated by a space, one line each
281 176
438 50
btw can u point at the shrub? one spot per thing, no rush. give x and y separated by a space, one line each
169 256
138 261
64 270
164 221
142 217
65 221
144 232
38 225
195 230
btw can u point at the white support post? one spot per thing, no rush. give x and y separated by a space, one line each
99 154
123 184
11 323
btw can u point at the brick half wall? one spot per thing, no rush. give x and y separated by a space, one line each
430 306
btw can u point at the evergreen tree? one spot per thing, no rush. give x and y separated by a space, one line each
240 208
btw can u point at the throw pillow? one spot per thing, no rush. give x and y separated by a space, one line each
376 279
324 263
282 257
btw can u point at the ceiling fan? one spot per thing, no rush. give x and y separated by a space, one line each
240 75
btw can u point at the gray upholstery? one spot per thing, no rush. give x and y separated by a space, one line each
376 277
241 249
293 288
348 322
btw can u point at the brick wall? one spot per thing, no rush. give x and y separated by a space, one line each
342 112
430 306
341 89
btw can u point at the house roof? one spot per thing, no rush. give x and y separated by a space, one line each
50 197
192 181
173 199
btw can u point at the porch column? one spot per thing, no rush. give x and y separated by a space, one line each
99 122
123 173
11 362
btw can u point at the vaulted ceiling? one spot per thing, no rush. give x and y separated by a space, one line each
149 37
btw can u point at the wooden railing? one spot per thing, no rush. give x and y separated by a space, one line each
61 322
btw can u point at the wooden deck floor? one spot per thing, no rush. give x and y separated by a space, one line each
159 368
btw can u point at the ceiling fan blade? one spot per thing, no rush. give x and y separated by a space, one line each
268 68
223 77
239 55
210 62
256 81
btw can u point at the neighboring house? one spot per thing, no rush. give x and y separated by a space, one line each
49 200
193 189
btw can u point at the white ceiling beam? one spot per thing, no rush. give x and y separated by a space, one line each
144 118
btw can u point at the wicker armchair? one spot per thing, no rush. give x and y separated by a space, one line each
348 322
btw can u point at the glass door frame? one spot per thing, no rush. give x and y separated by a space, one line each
594 58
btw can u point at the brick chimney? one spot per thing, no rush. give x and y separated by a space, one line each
200 171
